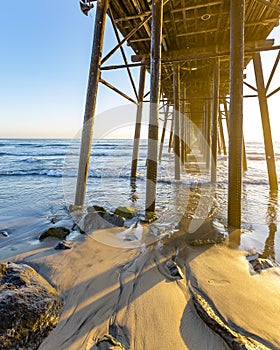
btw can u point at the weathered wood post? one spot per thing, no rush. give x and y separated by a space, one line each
215 112
94 74
170 143
244 158
186 121
222 133
208 132
269 151
203 131
183 126
155 71
136 144
166 114
237 9
176 111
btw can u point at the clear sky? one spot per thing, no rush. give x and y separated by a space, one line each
44 62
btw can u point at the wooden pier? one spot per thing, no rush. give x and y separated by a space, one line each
195 52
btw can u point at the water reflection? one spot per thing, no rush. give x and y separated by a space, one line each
133 196
271 217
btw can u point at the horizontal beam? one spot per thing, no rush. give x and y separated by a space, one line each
178 58
194 7
197 32
129 18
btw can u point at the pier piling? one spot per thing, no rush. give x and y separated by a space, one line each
215 112
269 151
176 111
155 79
237 13
136 144
94 75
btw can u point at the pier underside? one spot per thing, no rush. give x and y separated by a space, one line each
195 52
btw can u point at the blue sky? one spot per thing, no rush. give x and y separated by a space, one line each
44 61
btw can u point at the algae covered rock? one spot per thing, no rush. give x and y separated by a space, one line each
97 208
57 232
126 212
149 217
29 307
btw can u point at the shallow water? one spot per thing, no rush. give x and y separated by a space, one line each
38 183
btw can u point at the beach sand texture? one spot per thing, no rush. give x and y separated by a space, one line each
130 295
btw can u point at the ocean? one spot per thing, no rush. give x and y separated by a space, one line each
38 179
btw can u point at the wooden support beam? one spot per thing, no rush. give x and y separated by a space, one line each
166 114
136 144
208 135
269 151
182 127
198 6
127 37
186 120
219 141
273 92
211 30
86 142
210 52
176 111
170 144
250 86
215 113
112 87
270 5
244 157
221 128
155 75
129 18
237 15
272 72
123 54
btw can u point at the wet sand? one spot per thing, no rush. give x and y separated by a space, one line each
129 293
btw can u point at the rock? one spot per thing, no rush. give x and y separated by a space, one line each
73 207
174 269
29 307
4 233
126 212
108 343
149 217
261 264
95 221
53 220
113 219
97 208
63 245
199 242
57 232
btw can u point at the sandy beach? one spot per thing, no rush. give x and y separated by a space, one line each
130 296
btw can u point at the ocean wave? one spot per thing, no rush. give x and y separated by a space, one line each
29 154
31 160
52 173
